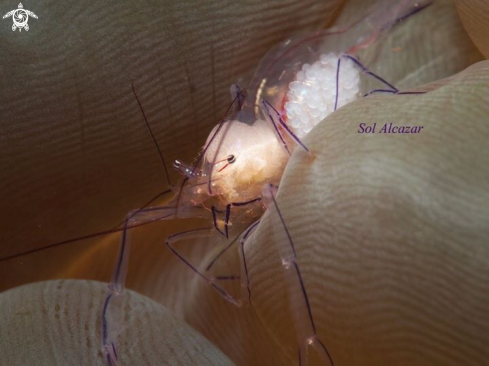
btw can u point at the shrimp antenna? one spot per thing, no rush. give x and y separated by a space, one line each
152 137
115 229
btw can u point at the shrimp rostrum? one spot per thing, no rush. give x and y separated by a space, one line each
235 177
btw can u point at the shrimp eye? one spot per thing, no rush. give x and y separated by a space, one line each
231 159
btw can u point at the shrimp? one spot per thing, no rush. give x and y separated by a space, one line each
235 177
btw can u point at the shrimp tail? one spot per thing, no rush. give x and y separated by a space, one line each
381 18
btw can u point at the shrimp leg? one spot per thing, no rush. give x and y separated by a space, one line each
269 110
238 95
214 211
391 88
112 308
299 301
245 278
212 280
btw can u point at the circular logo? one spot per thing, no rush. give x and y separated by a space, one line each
20 18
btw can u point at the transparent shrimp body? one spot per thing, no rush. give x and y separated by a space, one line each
235 177
308 77
296 85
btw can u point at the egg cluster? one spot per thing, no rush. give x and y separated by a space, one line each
311 96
